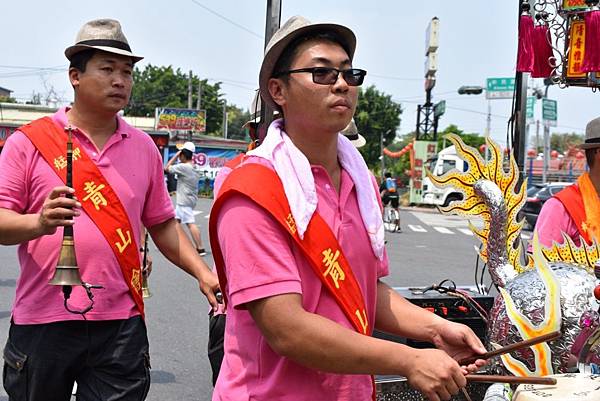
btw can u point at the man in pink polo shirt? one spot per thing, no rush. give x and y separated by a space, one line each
287 336
106 350
575 211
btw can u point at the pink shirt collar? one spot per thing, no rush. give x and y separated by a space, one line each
60 117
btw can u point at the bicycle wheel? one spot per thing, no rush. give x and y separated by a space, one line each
395 220
388 220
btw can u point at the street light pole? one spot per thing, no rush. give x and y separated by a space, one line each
477 90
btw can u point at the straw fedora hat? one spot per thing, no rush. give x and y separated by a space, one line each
592 135
102 34
351 132
293 28
256 111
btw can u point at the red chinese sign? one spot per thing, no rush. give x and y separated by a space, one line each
576 49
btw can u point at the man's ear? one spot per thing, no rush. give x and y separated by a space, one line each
278 91
74 76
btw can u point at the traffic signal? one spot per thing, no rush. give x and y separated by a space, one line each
470 90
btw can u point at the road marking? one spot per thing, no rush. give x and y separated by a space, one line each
197 212
436 219
418 229
466 231
207 216
443 230
525 236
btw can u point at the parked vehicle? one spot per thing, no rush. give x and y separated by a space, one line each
446 160
537 195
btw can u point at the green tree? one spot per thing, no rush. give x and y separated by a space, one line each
163 86
7 99
236 118
471 139
400 166
563 141
376 115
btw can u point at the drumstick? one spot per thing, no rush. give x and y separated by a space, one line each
467 397
511 379
510 348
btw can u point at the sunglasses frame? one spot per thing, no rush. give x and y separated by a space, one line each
352 71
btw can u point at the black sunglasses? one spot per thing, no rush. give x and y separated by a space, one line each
329 75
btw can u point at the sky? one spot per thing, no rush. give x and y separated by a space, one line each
223 40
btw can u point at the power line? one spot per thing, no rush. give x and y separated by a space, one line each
21 67
228 20
394 78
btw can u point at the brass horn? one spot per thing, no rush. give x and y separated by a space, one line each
145 288
67 271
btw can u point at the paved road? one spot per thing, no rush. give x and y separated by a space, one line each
430 248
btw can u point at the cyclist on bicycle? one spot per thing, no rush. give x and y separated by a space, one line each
389 194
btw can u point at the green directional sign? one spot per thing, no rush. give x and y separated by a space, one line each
439 109
529 110
549 112
500 88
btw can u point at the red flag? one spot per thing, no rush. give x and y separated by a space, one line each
591 58
525 59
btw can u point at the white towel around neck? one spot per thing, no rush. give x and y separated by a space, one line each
293 168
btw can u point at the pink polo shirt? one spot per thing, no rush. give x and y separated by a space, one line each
132 165
262 261
553 221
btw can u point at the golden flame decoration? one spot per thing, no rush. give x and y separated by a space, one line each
584 256
473 205
551 322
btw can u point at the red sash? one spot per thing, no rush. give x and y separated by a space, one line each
572 200
321 248
263 186
96 196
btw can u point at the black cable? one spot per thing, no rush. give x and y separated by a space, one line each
67 289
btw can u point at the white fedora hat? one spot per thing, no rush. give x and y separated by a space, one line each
102 34
293 28
351 132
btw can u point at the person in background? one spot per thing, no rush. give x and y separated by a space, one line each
575 211
55 338
389 194
188 177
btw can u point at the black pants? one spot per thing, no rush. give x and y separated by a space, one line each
108 359
216 334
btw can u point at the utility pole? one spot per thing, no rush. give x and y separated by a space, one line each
537 135
273 21
382 154
199 101
225 120
546 137
546 152
190 90
190 133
